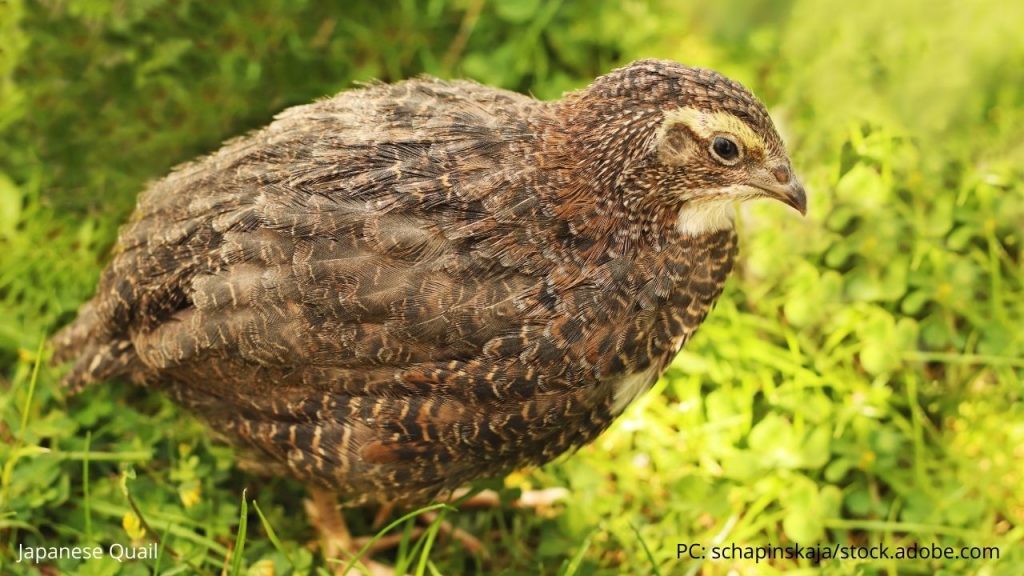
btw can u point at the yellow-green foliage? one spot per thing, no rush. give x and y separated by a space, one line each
860 383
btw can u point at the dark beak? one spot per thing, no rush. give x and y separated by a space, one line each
791 195
781 184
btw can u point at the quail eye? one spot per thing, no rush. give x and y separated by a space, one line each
725 148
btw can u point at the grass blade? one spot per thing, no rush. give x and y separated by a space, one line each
272 535
647 550
428 542
236 553
86 499
362 551
573 565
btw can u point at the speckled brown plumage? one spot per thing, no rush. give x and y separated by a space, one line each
404 287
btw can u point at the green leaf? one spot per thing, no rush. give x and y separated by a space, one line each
10 206
516 11
804 512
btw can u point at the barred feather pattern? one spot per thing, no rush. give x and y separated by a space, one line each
405 287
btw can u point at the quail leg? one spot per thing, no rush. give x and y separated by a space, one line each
382 515
537 500
336 542
471 543
388 541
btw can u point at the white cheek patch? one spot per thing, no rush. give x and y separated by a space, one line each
628 387
713 210
706 216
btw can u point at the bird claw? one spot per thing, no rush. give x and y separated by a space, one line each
336 542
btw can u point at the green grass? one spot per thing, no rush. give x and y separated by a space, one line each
860 382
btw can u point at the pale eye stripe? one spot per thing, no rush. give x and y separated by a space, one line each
707 124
